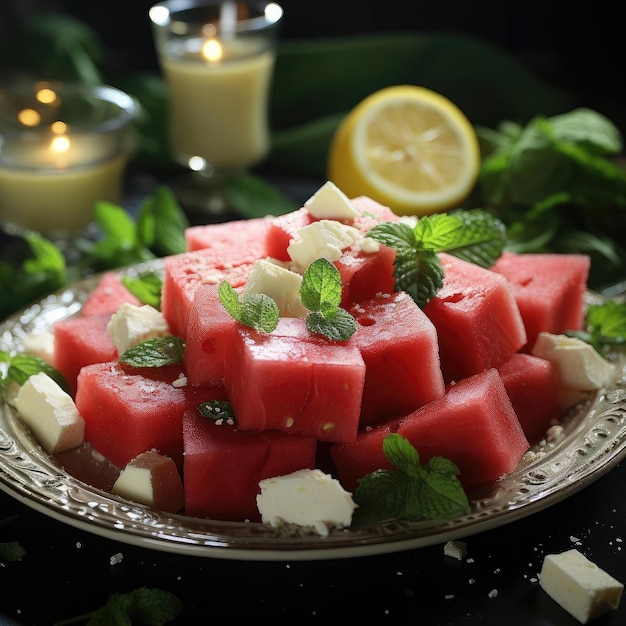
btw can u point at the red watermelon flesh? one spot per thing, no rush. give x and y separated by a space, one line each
223 466
530 383
128 410
284 228
365 274
211 333
107 296
398 344
549 290
478 322
291 381
474 425
80 341
185 272
245 236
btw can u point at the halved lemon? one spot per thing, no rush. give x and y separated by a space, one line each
407 147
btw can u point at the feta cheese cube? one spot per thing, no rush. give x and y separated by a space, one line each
307 497
578 366
132 324
50 413
325 238
280 284
579 586
329 202
152 479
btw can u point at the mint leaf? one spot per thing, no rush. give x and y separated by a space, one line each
475 236
411 491
152 607
11 551
419 275
218 410
256 310
156 352
147 288
321 287
259 311
320 292
229 299
606 325
23 366
338 325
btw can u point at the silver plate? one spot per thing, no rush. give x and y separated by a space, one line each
593 441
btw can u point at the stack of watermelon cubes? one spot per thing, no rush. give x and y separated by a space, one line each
455 378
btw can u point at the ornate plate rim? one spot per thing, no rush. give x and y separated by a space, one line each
594 442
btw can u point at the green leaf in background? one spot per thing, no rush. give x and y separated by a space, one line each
250 197
147 288
161 223
317 82
57 46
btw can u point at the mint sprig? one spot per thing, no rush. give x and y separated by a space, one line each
320 292
22 366
156 352
256 310
140 606
412 491
474 236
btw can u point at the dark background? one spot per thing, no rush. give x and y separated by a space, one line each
579 49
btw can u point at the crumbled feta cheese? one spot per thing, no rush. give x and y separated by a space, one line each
325 238
369 245
329 202
132 324
280 284
306 498
579 586
50 413
40 344
456 549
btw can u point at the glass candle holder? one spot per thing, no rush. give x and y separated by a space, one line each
217 58
63 147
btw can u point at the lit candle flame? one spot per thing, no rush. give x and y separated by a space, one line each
60 144
212 50
29 117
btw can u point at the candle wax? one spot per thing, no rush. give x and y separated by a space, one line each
61 200
219 110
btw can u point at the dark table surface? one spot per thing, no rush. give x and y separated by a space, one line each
67 571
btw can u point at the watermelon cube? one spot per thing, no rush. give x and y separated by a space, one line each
365 274
223 465
185 272
107 297
478 322
293 381
473 425
247 237
549 290
128 411
80 341
398 344
211 334
530 383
